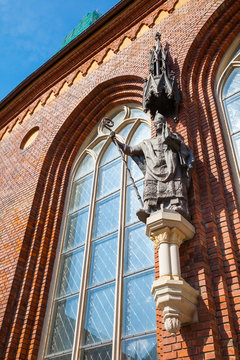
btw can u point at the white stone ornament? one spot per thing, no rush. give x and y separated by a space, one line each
171 292
172 324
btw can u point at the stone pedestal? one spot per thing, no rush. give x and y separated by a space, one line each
172 293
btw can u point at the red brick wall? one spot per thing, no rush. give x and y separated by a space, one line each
34 182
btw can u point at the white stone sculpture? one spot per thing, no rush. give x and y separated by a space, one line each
172 293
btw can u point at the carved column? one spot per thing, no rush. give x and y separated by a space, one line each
171 292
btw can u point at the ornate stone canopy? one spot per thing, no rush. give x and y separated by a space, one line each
160 91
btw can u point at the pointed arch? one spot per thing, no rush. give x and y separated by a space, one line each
96 214
41 238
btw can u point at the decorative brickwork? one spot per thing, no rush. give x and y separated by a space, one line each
123 41
34 180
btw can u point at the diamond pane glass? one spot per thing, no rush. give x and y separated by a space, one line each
64 320
232 84
106 217
86 166
103 261
143 132
133 203
76 229
100 353
236 142
139 313
136 113
135 171
118 119
111 154
232 106
109 178
99 314
124 132
142 348
139 250
71 271
81 193
98 147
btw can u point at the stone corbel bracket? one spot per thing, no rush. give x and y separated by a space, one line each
172 294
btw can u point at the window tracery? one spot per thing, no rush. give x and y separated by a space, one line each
107 262
231 103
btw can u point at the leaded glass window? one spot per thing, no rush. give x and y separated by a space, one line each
230 98
103 307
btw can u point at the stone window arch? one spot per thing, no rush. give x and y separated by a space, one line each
103 307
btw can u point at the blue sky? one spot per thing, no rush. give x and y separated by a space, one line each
31 31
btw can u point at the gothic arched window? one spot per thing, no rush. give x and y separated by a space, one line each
228 91
103 307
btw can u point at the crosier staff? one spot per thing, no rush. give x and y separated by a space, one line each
108 124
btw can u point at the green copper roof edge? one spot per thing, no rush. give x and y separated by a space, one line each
85 22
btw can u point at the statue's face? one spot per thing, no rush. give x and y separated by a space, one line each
159 120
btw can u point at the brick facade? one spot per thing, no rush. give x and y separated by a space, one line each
34 181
